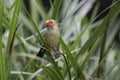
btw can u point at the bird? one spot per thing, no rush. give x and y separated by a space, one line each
50 36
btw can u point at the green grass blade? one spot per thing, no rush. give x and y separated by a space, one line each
6 16
86 27
55 66
2 58
41 9
12 26
114 32
56 8
103 59
79 37
72 60
34 11
35 28
97 42
52 73
90 41
112 13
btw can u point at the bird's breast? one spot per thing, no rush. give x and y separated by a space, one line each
52 37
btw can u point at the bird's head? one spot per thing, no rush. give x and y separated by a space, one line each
50 23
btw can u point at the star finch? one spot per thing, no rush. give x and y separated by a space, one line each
51 36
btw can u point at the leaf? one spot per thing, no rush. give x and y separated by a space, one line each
97 42
41 9
56 8
2 57
12 28
72 60
52 73
13 24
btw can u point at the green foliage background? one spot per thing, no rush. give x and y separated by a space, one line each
88 46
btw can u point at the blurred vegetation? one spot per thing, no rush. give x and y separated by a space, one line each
88 44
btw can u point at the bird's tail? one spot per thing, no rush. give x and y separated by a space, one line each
41 52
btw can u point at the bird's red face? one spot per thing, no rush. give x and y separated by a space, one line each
50 23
